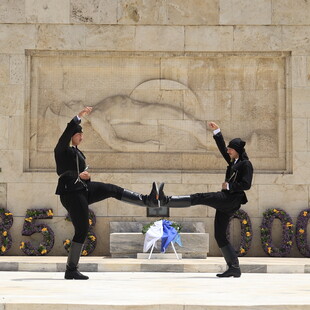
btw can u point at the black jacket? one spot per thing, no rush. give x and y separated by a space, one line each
239 175
66 161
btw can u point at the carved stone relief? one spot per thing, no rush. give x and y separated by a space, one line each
150 110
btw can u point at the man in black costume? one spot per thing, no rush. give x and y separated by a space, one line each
238 179
77 191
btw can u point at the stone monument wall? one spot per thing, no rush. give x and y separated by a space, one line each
156 72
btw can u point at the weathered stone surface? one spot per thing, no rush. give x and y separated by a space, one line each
38 11
290 12
236 12
110 37
93 12
15 38
209 38
64 37
12 11
258 38
173 12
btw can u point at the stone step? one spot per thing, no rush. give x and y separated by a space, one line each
108 264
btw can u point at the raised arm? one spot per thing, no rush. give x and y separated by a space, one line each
65 138
219 139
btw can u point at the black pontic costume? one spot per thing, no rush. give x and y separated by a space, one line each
76 194
239 177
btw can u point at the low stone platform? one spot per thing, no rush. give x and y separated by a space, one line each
126 240
108 264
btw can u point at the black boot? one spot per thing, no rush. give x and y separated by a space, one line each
72 262
150 200
173 201
232 261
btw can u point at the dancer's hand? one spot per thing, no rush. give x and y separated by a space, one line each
224 185
85 175
213 126
85 111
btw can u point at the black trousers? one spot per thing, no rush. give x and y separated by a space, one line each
225 204
77 202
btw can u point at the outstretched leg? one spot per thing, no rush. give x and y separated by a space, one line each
99 191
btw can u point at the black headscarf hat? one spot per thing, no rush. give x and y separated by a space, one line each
238 145
77 129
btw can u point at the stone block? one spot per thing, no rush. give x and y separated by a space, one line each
299 71
38 11
64 37
159 256
186 13
4 70
110 37
254 268
9 266
12 11
295 38
293 197
32 195
286 12
236 12
15 38
258 38
195 245
300 130
172 267
208 38
93 12
159 38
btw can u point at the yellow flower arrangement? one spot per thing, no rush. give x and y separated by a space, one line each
22 245
5 233
84 253
92 238
49 213
3 249
28 219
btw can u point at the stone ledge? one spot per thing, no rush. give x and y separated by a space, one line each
268 265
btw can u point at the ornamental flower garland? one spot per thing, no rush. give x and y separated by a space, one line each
301 232
30 228
287 233
5 236
246 231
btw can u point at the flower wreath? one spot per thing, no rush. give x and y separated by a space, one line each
301 232
287 237
91 241
5 236
246 231
30 228
175 225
